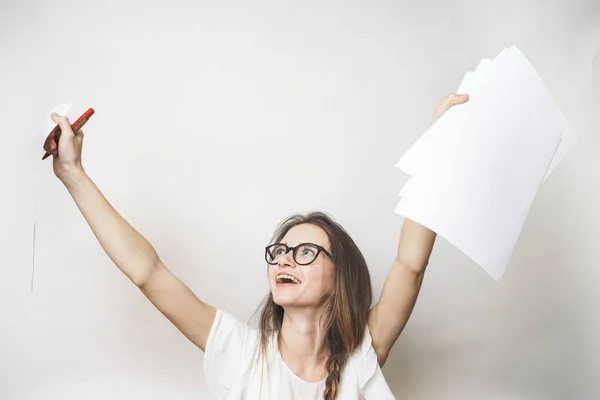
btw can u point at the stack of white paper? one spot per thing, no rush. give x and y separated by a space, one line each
475 172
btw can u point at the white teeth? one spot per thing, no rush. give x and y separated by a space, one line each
286 276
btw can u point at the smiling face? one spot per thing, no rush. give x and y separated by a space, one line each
302 285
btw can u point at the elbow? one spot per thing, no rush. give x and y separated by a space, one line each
141 279
416 267
419 269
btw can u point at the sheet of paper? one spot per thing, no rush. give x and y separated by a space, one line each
482 219
474 83
475 173
471 78
566 144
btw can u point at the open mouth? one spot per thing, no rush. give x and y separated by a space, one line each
285 279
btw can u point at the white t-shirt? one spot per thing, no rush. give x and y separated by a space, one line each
232 372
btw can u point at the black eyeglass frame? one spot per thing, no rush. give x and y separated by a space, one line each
293 250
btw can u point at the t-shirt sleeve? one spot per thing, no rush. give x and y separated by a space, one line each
225 353
371 381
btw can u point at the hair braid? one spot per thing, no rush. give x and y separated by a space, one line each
332 382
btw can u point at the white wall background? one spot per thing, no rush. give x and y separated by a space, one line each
199 105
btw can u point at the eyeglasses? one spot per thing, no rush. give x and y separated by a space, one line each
303 254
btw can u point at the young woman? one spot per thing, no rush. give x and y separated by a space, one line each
318 337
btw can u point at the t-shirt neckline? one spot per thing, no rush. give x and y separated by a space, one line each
296 377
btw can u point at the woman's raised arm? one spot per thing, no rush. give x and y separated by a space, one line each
389 316
126 247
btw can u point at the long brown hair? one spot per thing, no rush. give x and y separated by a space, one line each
346 309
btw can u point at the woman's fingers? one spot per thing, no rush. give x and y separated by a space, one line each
63 131
79 138
451 100
50 142
455 99
63 123
446 102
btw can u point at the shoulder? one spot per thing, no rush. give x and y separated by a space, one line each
363 360
366 372
227 329
231 336
230 347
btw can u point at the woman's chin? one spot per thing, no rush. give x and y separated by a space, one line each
283 300
286 300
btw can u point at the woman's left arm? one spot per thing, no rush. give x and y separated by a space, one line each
389 316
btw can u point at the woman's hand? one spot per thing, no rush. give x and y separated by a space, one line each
67 155
445 103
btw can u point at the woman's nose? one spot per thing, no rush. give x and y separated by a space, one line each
286 259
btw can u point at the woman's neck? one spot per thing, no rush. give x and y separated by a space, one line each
300 341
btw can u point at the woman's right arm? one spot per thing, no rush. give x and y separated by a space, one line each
127 248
